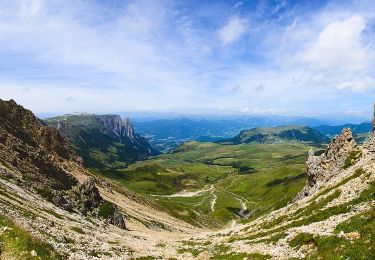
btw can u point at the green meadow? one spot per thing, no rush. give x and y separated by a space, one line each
239 182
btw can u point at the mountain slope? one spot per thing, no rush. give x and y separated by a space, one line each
103 140
51 207
38 159
280 134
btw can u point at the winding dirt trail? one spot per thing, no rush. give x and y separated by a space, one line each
213 201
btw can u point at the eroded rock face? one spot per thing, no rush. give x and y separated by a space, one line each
323 167
35 151
116 218
39 159
89 197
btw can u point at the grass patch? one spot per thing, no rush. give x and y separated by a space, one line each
69 240
193 251
53 213
272 239
78 230
302 239
333 247
17 243
352 158
45 193
240 256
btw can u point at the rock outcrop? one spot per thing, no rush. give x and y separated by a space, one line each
129 129
39 159
370 144
338 155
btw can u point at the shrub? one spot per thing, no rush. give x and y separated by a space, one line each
45 193
106 210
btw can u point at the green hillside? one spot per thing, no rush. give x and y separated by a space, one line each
231 181
103 141
280 134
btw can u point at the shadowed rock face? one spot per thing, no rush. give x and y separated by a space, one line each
39 159
34 150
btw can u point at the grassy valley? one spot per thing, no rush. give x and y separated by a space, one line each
225 182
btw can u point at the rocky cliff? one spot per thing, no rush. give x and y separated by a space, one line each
38 158
341 153
103 141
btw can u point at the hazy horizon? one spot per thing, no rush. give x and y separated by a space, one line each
141 116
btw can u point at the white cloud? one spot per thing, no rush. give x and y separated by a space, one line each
232 30
339 56
339 46
359 85
133 55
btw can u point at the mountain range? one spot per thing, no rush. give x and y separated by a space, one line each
278 135
166 134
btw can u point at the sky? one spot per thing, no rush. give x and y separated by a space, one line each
257 57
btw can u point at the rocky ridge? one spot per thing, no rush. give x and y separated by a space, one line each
340 153
39 159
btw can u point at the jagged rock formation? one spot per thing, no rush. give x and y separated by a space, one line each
103 140
370 144
322 168
39 159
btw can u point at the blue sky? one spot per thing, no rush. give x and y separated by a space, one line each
304 58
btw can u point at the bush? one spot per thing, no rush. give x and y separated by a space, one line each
106 210
45 193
